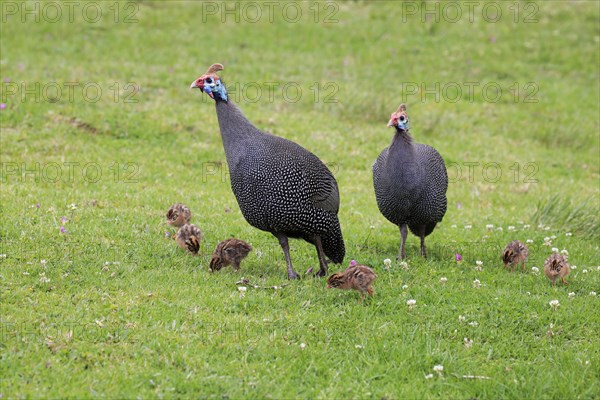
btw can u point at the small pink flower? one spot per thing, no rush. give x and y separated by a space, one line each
353 263
63 220
38 205
2 106
6 80
458 257
63 229
493 39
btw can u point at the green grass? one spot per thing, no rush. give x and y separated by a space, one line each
127 314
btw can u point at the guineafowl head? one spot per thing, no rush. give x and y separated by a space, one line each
211 84
399 119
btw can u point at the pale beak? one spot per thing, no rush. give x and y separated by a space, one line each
391 123
193 85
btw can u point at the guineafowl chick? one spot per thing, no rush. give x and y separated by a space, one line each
178 215
188 237
229 252
514 253
356 277
556 266
281 187
410 183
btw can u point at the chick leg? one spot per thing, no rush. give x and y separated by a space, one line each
321 255
283 241
370 291
403 234
563 281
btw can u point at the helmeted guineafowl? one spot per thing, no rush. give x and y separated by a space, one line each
410 183
280 187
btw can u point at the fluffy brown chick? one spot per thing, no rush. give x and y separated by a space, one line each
188 237
229 252
514 253
556 266
178 215
357 277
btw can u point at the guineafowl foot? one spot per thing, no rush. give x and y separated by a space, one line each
293 275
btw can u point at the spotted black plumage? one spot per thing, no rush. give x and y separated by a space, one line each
410 182
280 187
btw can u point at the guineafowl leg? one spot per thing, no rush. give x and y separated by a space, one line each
321 255
283 241
403 234
423 251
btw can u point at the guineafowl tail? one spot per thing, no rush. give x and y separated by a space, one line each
333 244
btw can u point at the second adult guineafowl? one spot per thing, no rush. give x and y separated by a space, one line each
280 187
410 183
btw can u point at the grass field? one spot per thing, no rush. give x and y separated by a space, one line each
100 134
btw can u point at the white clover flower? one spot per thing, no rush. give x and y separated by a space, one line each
535 270
411 303
564 252
568 234
453 226
404 287
573 266
511 228
598 268
499 229
476 284
571 295
358 346
553 237
489 227
474 323
585 271
242 290
387 263
2 255
439 369
468 343
526 226
547 241
480 263
529 241
554 304
443 280
461 318
592 293
468 226
44 278
428 376
302 346
259 254
43 262
554 249
25 273
546 228
73 206
404 265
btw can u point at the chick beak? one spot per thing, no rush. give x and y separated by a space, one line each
390 123
193 85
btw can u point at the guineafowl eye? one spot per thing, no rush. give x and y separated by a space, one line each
402 118
208 80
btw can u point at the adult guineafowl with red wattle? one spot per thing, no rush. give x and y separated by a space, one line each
410 183
280 187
